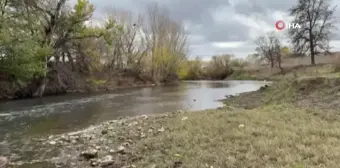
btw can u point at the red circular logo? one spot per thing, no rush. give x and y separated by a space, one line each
280 25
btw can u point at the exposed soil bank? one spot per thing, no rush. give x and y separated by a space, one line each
61 85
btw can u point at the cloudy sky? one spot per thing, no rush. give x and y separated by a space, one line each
219 26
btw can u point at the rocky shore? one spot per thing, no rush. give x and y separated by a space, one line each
110 144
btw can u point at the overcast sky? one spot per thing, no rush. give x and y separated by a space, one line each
219 26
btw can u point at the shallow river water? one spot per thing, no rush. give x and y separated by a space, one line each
59 114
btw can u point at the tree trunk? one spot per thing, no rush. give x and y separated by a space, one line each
312 56
40 90
272 63
42 84
311 43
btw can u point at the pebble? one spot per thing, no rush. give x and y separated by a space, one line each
121 149
145 117
104 132
107 161
241 126
94 162
161 129
90 154
52 142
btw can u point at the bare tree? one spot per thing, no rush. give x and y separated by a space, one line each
128 48
168 41
316 20
269 49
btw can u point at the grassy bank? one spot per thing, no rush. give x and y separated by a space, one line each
275 74
293 123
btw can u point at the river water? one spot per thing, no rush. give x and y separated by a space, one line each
59 114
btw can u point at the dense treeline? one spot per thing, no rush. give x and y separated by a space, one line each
49 47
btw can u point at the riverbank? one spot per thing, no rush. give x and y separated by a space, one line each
275 74
11 91
292 123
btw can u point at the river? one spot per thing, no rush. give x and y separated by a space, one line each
21 119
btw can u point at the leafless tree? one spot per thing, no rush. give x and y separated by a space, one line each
316 20
128 48
269 49
167 39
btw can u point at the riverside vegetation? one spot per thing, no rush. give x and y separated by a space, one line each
54 47
292 123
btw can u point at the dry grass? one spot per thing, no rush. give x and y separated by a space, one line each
272 136
292 68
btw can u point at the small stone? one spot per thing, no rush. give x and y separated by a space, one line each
121 149
241 126
153 166
150 130
142 135
104 132
112 151
180 111
121 123
129 141
77 138
161 129
126 144
51 137
121 138
110 128
52 142
98 147
90 154
184 118
144 117
107 161
139 128
133 166
178 164
94 162
65 139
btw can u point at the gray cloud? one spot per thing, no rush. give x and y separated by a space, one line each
206 27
